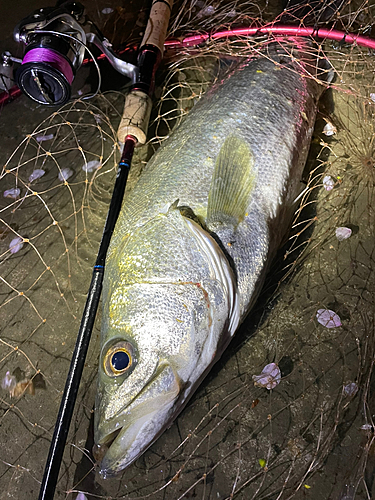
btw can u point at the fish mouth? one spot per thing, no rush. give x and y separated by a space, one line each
124 437
124 446
114 459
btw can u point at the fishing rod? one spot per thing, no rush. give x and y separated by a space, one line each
132 130
275 29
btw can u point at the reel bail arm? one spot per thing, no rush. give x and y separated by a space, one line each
56 39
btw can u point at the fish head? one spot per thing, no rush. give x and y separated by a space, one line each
156 341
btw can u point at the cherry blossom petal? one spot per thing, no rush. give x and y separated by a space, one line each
81 496
9 382
328 183
15 245
351 389
206 11
343 233
366 427
269 378
42 138
12 193
36 174
328 318
65 174
329 129
91 166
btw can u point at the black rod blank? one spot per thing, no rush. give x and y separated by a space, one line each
65 414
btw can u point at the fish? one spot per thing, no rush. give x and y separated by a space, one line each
194 241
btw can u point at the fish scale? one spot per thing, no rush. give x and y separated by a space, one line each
177 286
263 102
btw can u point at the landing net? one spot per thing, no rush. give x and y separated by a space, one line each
312 434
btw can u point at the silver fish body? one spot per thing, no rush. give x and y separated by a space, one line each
193 242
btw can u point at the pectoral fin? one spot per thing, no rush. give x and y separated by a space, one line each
232 183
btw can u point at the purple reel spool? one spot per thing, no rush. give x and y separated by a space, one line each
46 76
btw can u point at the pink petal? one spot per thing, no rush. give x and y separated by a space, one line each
36 174
65 174
9 382
366 427
350 389
269 378
42 138
328 183
328 318
12 193
81 496
15 245
343 233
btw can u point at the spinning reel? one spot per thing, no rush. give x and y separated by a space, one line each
56 39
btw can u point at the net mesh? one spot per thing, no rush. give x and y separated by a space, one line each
312 435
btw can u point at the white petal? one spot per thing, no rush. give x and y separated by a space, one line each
206 11
232 13
329 129
91 166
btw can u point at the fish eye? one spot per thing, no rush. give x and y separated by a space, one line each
119 359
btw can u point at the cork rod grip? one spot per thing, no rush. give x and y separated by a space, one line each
138 103
156 29
135 118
